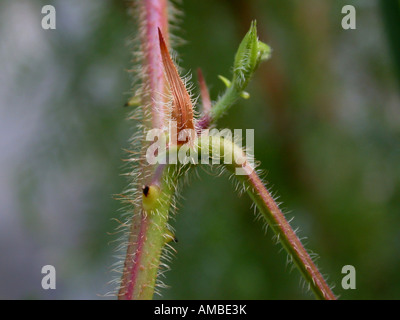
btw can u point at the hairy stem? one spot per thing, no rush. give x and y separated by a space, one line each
153 16
272 214
250 53
148 237
149 222
230 96
286 235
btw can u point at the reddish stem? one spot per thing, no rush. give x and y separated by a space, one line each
126 292
154 16
205 95
287 236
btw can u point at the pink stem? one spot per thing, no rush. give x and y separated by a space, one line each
154 15
205 95
287 236
135 263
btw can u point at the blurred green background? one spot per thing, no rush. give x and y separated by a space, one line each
326 114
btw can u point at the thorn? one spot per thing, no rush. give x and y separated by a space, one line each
182 104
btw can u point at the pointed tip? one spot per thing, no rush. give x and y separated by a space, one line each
163 46
253 27
182 103
252 30
161 38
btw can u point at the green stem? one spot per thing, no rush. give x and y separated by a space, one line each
148 240
230 96
149 222
250 53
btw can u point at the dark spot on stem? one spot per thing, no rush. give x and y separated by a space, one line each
146 190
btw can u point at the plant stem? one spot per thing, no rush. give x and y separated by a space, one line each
250 53
148 237
153 15
286 235
149 223
224 103
273 215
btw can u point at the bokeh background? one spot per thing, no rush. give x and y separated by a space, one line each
326 114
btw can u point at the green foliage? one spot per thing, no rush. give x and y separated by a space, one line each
250 53
248 56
